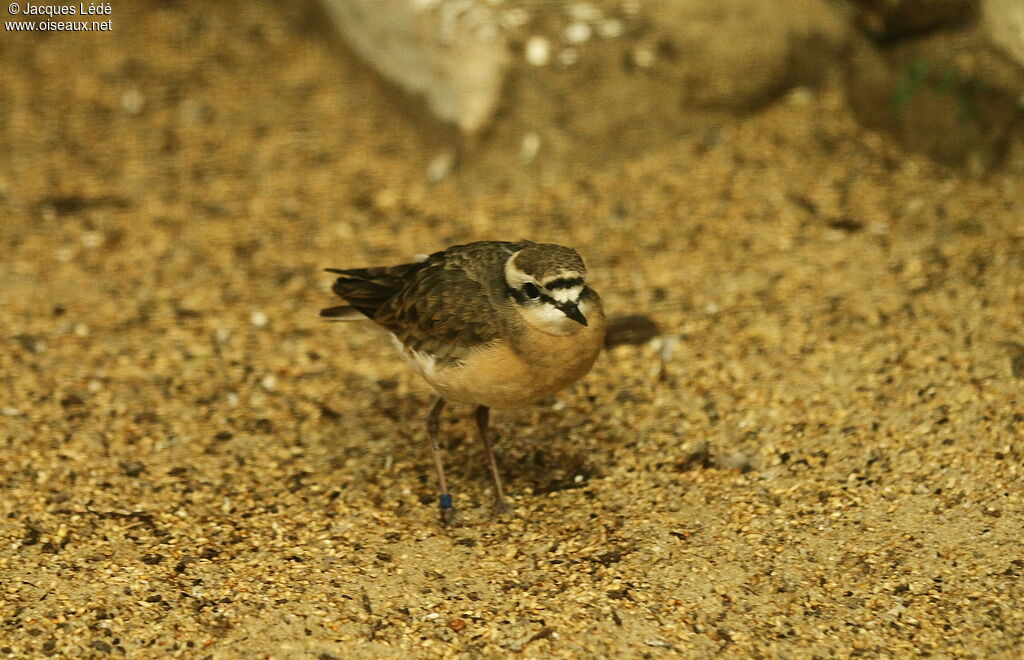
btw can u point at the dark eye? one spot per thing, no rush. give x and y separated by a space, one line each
530 290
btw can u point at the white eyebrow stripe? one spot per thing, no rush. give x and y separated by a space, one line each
566 295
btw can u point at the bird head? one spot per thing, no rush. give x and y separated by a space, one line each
547 284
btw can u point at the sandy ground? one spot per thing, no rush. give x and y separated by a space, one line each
193 464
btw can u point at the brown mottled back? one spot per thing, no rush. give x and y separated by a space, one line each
434 306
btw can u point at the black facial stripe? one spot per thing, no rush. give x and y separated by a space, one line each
564 283
517 294
521 298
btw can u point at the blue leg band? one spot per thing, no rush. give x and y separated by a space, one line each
446 501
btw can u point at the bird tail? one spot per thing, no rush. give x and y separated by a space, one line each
366 290
342 313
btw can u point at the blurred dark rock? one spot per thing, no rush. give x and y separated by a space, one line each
891 19
741 53
950 95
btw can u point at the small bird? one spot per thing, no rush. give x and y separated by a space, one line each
493 324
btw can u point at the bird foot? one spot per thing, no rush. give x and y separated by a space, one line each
501 508
449 517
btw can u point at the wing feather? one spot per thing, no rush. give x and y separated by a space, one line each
443 306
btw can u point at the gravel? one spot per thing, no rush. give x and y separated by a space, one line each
827 462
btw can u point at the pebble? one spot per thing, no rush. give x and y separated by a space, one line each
514 17
800 96
441 166
92 239
132 101
611 28
529 148
577 33
644 57
538 51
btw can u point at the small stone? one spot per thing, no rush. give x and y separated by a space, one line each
133 468
577 33
92 239
644 57
132 101
515 17
529 148
441 166
71 400
538 51
800 96
456 624
258 319
610 28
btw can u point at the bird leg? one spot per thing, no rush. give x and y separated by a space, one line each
482 416
445 499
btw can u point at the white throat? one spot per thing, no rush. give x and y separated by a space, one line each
550 320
